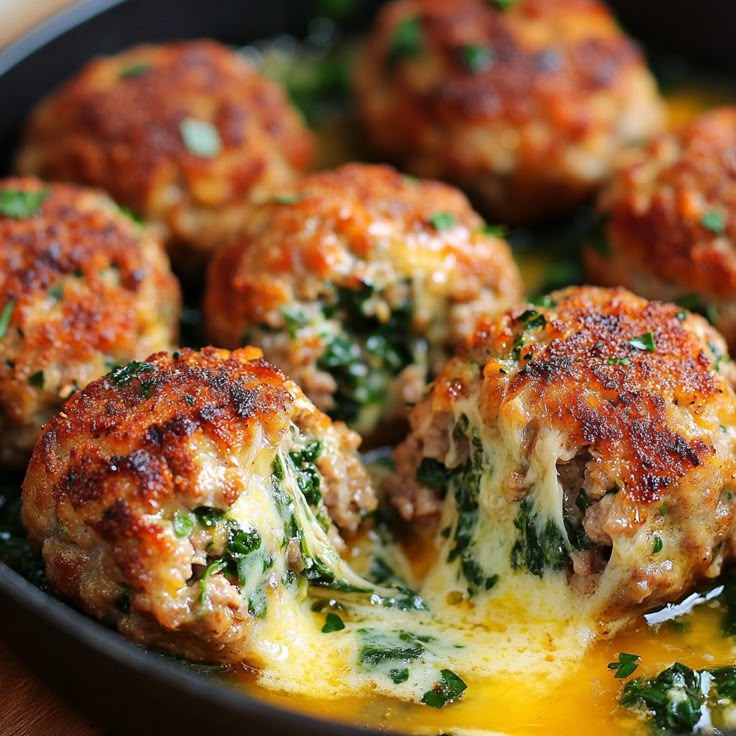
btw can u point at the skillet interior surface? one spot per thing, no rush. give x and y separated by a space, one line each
120 686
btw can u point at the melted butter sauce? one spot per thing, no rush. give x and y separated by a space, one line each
523 677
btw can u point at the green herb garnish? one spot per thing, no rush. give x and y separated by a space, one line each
135 70
714 221
399 675
7 313
442 221
201 138
657 545
183 524
476 58
625 666
618 361
644 342
37 379
406 42
124 374
332 623
286 198
446 690
17 204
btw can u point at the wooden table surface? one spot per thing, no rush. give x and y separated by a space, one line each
29 708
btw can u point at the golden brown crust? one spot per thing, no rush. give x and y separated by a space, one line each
658 240
585 369
525 106
415 242
117 125
85 287
176 435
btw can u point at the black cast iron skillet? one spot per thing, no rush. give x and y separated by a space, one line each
118 685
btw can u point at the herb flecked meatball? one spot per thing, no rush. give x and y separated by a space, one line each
667 225
589 436
358 283
524 104
184 134
186 498
82 287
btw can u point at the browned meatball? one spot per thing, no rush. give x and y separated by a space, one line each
669 224
183 499
82 288
184 134
358 283
587 439
524 104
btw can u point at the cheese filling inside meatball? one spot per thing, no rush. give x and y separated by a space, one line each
585 442
358 283
197 502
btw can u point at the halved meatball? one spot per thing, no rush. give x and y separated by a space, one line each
82 288
524 104
186 499
586 439
668 222
184 134
358 283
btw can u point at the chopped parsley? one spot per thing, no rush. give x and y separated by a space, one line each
332 623
476 58
124 374
294 319
18 204
5 316
618 361
625 666
406 42
644 342
286 198
183 524
446 690
200 137
399 675
135 70
37 379
657 545
442 221
713 221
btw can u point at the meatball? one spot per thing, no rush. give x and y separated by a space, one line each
586 440
524 104
181 498
184 134
667 228
82 287
358 283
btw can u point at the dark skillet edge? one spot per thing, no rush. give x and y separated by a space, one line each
124 687
51 29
